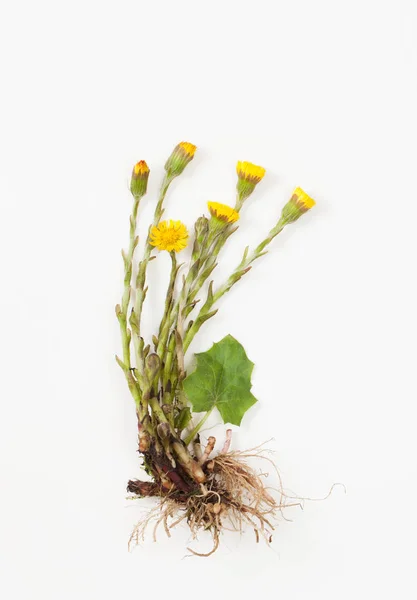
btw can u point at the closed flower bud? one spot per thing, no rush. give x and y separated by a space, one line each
201 229
297 205
249 175
139 181
221 216
182 154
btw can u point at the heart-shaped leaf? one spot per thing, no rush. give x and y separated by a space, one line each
222 379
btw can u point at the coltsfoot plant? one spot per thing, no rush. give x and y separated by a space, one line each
189 482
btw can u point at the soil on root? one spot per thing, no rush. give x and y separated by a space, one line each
233 496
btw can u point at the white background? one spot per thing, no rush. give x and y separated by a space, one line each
323 94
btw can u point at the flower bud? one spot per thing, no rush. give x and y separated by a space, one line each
139 181
249 175
182 154
222 212
297 205
221 216
201 229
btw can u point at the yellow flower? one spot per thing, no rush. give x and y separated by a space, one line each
249 172
182 154
222 212
304 201
248 176
139 180
188 148
170 236
140 168
297 205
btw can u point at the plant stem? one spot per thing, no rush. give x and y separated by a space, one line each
198 274
128 262
170 292
163 349
121 311
169 358
141 276
244 267
191 436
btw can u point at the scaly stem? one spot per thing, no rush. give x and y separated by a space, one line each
170 292
121 311
244 266
163 347
169 359
128 263
169 323
209 262
141 276
200 270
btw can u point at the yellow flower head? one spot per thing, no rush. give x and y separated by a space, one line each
303 200
140 168
139 180
170 236
298 204
249 172
182 154
248 177
222 212
188 148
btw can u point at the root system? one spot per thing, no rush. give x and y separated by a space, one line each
233 495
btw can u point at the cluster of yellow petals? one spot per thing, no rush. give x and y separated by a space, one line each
250 172
303 200
223 212
141 168
169 235
188 148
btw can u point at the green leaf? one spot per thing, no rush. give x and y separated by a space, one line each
222 379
